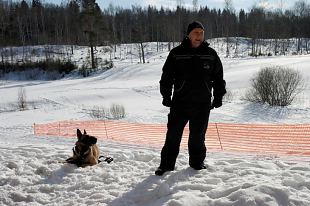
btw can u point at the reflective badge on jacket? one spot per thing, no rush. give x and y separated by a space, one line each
206 66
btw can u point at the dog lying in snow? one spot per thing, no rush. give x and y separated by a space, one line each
86 152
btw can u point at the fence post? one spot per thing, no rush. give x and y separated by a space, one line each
34 128
105 127
218 135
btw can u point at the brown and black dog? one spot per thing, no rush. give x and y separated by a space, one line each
85 152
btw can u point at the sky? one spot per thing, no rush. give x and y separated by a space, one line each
237 4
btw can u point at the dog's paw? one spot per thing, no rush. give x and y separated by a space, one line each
71 160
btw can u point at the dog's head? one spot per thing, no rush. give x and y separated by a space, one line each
85 138
84 143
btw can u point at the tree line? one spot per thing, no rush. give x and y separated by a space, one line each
83 22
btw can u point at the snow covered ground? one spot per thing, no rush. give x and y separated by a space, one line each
32 172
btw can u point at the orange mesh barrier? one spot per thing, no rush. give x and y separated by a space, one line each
293 139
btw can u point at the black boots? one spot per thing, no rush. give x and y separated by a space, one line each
199 167
161 171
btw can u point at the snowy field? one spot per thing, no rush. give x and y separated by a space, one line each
32 170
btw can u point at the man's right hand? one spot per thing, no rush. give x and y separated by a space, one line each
217 102
167 101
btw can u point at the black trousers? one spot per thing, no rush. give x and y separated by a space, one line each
198 116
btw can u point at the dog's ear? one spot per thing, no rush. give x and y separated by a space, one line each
78 134
85 132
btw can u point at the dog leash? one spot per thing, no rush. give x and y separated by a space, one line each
107 159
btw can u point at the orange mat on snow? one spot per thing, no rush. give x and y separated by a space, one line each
278 139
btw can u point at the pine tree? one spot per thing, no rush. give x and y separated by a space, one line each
36 4
91 15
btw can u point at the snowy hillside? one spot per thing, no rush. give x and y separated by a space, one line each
32 172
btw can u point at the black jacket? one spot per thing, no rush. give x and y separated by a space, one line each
192 73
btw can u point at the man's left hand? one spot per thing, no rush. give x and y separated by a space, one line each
217 102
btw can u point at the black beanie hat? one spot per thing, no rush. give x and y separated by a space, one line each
194 25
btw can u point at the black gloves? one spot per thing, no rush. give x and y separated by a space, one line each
167 101
217 102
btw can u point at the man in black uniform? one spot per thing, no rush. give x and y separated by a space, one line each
194 71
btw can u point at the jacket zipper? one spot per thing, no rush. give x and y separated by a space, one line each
207 86
181 87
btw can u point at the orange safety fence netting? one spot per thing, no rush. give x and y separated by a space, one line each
285 139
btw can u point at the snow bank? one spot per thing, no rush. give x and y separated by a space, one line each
33 173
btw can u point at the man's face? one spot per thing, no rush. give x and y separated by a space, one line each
196 37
